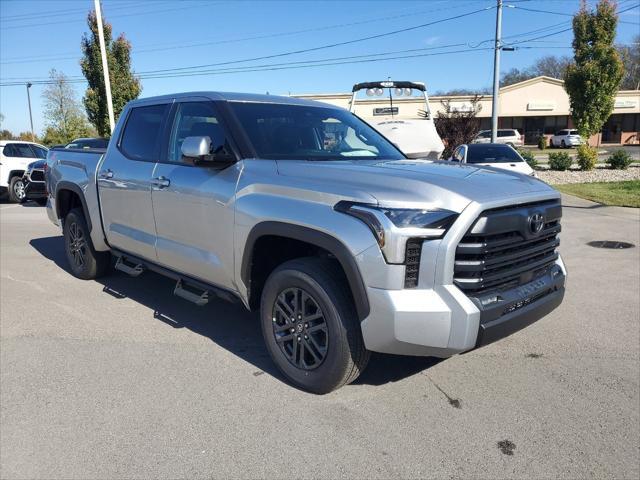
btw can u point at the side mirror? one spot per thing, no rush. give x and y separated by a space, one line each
199 150
196 147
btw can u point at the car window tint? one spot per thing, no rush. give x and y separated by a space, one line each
483 153
280 131
39 151
505 133
195 119
22 150
142 132
8 151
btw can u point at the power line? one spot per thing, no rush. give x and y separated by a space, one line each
272 67
62 13
323 47
152 12
137 51
567 14
312 49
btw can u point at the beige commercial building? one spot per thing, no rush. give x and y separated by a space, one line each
539 106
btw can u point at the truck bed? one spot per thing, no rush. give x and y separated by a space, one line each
75 169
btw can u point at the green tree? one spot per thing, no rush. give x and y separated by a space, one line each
6 135
592 81
62 111
124 85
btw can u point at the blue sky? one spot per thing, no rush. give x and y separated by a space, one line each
37 35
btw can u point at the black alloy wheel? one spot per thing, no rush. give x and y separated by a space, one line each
300 329
77 245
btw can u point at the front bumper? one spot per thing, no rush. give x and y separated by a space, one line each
443 321
437 318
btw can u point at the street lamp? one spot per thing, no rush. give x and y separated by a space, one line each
33 137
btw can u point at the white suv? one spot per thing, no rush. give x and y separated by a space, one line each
508 136
566 138
15 156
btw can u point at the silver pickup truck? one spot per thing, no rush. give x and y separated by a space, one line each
304 212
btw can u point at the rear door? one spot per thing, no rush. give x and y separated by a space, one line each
124 181
194 204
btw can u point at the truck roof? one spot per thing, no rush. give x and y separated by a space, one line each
235 97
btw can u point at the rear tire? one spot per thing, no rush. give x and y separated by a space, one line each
16 190
310 325
84 261
563 144
551 145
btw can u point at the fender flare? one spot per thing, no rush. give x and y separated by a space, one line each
65 185
319 239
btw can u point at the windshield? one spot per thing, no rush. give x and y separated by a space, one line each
479 153
282 132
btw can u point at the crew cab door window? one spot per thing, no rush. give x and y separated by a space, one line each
195 119
141 137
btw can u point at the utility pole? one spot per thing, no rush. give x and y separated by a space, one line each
33 137
105 66
496 74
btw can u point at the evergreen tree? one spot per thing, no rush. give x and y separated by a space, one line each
124 85
592 81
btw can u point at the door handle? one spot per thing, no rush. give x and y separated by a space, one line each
106 173
161 182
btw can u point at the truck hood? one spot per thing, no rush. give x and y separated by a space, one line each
420 182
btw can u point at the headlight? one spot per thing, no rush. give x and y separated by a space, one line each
392 227
405 218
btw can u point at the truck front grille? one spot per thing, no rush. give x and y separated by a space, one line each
501 251
412 262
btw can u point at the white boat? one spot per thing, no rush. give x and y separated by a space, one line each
415 137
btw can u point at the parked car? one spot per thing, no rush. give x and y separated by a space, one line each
34 185
416 138
87 143
496 155
344 247
565 139
15 156
507 136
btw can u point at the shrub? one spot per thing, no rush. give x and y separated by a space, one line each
542 142
559 161
620 160
528 156
587 157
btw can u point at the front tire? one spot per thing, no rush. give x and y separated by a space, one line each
83 259
310 326
16 190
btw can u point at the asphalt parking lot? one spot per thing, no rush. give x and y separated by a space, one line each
119 379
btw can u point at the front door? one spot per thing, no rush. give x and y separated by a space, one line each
124 182
194 204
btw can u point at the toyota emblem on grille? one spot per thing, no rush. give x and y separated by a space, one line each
536 222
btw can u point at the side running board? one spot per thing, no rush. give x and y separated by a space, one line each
130 269
199 299
187 288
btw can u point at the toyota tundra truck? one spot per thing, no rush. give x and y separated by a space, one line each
303 212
